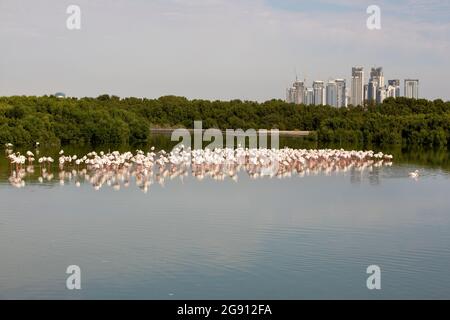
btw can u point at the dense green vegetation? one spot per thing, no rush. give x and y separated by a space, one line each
111 120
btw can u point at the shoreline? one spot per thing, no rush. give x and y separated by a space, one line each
285 133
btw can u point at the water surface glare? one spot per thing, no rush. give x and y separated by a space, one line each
297 236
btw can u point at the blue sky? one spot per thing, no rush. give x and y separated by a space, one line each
420 10
314 6
217 49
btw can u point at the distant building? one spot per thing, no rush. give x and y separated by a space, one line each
391 92
319 93
357 85
348 94
295 94
290 95
299 91
376 75
366 93
412 88
341 93
332 93
396 85
309 96
336 92
372 87
381 94
376 89
60 95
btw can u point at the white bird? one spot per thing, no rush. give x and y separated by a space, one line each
414 174
114 168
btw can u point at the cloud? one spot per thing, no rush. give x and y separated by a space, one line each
216 48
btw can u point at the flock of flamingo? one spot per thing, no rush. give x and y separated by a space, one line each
117 169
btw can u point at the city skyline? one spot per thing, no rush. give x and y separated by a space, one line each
360 92
215 49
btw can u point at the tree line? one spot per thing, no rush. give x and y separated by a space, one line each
113 120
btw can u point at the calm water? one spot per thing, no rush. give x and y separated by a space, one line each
295 237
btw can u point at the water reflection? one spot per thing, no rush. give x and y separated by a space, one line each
120 170
281 237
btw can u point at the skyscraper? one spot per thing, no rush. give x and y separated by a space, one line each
341 98
391 92
396 85
319 93
290 95
366 93
295 94
348 94
332 93
372 90
376 74
381 94
357 85
376 89
309 96
412 88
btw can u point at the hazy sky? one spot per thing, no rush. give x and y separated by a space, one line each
217 49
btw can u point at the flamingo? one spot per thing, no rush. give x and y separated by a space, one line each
414 174
113 168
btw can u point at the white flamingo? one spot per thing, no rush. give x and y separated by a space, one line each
113 168
414 174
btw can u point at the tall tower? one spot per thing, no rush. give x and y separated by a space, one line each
341 100
372 87
366 93
319 93
332 93
309 96
381 94
376 88
295 94
395 84
290 95
299 92
376 74
357 86
412 88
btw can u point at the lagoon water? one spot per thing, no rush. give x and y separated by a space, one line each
290 238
